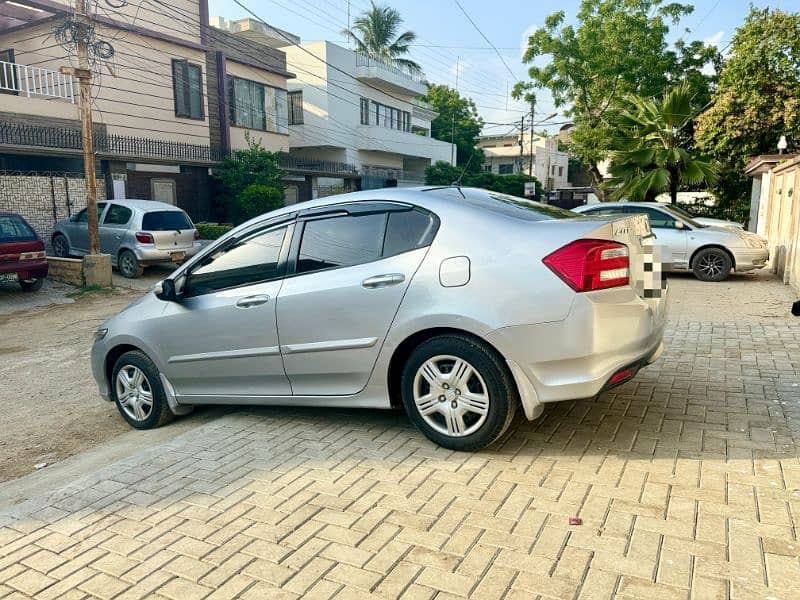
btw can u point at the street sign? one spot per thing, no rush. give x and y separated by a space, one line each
530 189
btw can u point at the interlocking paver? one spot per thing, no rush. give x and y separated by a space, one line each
686 478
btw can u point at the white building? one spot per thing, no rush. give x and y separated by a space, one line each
509 154
361 111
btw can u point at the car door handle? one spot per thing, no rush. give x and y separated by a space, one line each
251 301
380 281
119 237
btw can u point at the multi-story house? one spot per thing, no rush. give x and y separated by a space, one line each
512 153
345 107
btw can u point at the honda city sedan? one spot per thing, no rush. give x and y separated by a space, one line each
460 305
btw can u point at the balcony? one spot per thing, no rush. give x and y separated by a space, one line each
36 82
385 75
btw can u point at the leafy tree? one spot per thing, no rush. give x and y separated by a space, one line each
250 183
757 101
443 173
651 144
458 121
375 34
617 47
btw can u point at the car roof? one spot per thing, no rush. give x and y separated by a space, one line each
144 205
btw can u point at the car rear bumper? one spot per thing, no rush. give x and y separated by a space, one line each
26 269
149 255
605 332
747 260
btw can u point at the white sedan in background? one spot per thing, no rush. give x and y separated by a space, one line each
711 252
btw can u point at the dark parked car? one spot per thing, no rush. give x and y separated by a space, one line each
22 255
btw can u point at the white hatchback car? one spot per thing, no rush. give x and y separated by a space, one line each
136 233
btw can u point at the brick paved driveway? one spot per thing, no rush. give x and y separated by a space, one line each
687 481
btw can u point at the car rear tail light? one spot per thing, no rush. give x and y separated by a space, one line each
32 255
144 238
196 235
586 265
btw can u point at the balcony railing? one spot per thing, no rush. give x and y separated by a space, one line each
23 80
69 139
362 60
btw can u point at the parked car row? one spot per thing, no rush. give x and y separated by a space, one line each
709 248
136 233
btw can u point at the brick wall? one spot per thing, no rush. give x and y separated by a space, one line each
43 199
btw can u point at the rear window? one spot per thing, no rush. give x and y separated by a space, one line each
14 229
519 208
166 220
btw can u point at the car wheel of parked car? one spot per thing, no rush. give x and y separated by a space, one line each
711 264
129 266
137 391
60 246
31 286
458 392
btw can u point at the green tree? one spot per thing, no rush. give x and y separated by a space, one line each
757 100
250 183
443 173
375 33
651 147
616 48
458 121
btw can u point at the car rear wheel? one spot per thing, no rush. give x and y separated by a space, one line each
137 391
129 266
33 285
60 246
458 392
711 264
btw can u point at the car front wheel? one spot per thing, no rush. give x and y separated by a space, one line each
137 391
711 264
458 392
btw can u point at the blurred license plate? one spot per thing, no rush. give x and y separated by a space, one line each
177 256
8 277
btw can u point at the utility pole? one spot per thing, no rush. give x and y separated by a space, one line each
84 75
530 158
521 143
453 126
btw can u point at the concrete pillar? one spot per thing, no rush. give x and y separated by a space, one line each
97 270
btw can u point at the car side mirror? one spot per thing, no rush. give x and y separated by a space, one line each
165 290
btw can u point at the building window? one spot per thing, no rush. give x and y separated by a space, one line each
506 169
387 116
560 171
487 168
364 111
295 108
8 75
254 105
187 84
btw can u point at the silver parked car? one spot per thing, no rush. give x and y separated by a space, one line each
710 252
458 304
136 233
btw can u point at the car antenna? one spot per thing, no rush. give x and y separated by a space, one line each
457 182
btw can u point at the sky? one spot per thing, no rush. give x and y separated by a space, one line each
449 46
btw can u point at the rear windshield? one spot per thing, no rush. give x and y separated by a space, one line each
519 208
14 229
166 220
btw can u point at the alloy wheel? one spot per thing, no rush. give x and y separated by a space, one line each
451 396
127 265
60 246
711 265
134 393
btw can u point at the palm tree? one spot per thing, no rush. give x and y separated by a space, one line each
375 34
651 147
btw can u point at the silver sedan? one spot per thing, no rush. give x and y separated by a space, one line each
710 252
460 305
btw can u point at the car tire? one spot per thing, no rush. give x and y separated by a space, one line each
712 264
135 381
61 246
128 265
31 286
465 419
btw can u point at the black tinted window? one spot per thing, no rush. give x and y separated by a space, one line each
513 206
83 216
117 215
247 261
166 220
408 230
341 242
14 229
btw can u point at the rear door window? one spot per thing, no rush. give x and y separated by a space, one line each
166 220
408 230
117 215
341 242
14 229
